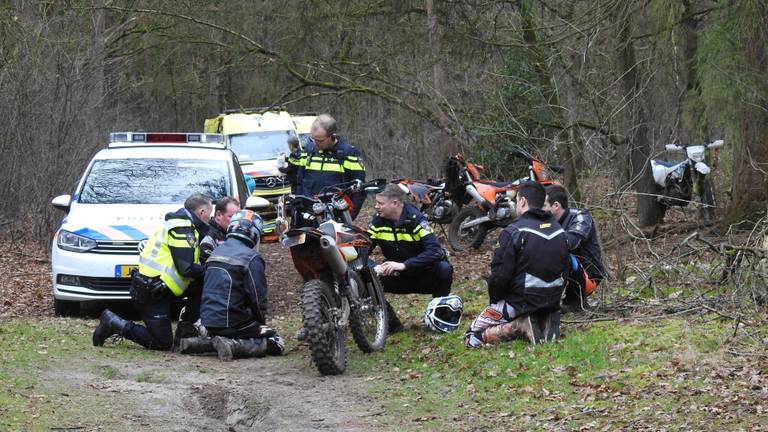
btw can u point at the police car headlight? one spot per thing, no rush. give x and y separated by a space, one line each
72 242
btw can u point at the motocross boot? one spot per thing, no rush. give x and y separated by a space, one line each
196 345
549 326
229 349
520 328
109 324
394 324
184 329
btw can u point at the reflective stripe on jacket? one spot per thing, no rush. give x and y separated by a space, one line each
409 240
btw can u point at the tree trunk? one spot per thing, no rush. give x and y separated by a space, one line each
750 153
648 209
438 77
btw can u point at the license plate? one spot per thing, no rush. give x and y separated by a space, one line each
124 271
295 240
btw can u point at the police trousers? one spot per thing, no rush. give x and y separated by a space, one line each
435 280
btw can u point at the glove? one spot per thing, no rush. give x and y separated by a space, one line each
157 288
574 264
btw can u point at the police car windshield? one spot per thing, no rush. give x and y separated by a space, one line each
255 146
154 180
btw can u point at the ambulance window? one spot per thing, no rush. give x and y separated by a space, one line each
255 146
154 181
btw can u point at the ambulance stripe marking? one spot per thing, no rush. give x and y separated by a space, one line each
95 235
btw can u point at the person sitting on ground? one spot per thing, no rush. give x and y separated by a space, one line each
528 271
217 228
587 270
415 263
234 304
169 267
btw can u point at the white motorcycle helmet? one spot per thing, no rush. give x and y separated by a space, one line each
444 313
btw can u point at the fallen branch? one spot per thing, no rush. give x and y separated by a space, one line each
641 318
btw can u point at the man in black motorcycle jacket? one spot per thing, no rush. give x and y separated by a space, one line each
587 263
528 271
415 261
224 209
234 303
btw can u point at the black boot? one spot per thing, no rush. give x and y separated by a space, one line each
551 326
184 329
196 345
394 324
228 349
109 324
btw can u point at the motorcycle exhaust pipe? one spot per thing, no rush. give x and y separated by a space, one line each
474 222
332 255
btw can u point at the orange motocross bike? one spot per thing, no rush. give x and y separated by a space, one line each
490 204
340 290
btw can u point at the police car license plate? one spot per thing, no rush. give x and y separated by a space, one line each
124 271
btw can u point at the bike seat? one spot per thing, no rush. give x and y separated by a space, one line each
500 185
667 164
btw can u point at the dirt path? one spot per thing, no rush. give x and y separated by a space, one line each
184 393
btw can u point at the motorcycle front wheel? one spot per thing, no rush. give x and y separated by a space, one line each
368 318
459 238
325 337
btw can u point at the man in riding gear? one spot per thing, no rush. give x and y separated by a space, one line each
329 160
217 229
169 268
415 263
234 304
587 270
528 271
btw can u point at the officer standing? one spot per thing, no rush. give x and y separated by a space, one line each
168 266
234 304
290 167
330 160
528 271
415 261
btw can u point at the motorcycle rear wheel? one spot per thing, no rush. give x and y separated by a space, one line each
459 238
368 319
325 337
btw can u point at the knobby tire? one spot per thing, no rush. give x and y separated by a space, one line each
329 352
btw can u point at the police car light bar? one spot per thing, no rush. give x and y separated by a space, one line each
132 139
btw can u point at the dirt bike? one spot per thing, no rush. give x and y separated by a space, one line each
432 199
340 290
680 180
492 203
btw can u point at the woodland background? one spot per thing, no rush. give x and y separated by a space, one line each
596 86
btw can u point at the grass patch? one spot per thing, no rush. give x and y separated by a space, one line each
610 374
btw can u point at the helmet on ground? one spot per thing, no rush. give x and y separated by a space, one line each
245 225
444 313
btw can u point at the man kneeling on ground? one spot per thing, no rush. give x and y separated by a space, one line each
528 271
234 303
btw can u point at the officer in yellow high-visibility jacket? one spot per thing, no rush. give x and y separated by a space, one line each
169 267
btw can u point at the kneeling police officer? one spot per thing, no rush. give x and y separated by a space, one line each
169 267
234 302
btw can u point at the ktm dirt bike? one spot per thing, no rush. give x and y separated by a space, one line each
679 181
432 198
340 290
492 204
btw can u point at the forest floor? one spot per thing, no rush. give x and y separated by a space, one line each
664 347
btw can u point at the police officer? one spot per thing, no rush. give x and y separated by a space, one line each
234 304
292 163
587 263
168 266
329 160
415 261
225 208
528 271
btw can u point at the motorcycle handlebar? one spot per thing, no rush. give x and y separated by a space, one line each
679 147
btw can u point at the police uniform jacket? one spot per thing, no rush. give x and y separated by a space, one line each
581 232
409 240
235 287
321 168
216 236
530 263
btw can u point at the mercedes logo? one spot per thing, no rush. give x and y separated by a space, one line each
143 244
271 182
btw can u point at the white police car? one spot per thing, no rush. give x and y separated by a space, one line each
122 198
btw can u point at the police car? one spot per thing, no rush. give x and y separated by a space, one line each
122 198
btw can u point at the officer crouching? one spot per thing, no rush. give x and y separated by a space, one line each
234 301
169 267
